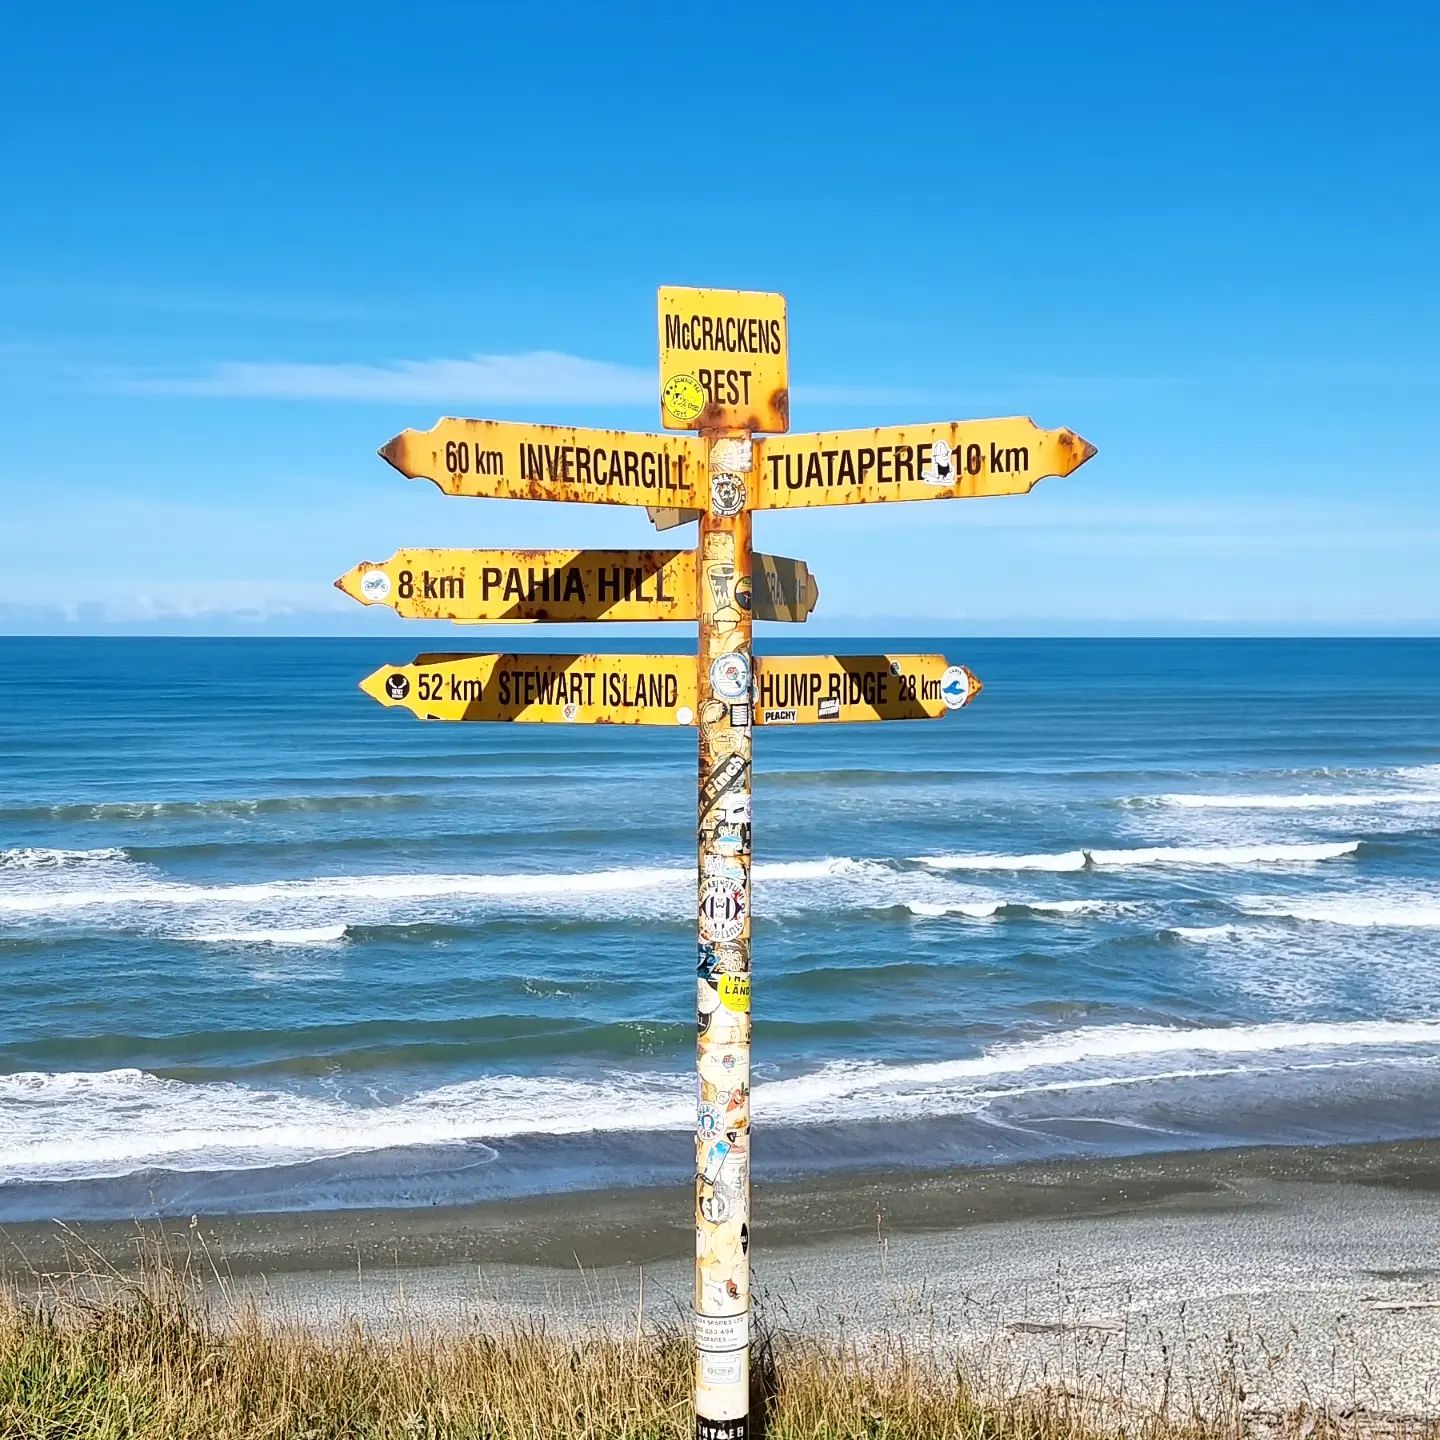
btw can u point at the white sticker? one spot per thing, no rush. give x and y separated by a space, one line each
730 676
733 453
956 687
727 1369
727 494
684 716
375 585
707 997
714 1160
722 908
570 710
939 471
722 1332
716 1208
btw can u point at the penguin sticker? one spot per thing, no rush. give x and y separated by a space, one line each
940 470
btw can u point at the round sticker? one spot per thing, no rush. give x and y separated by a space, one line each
684 716
957 687
683 396
722 908
709 1122
375 585
743 592
727 494
570 710
397 687
730 676
735 993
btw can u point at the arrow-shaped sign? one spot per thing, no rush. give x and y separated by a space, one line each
498 586
954 460
811 689
563 689
506 461
663 689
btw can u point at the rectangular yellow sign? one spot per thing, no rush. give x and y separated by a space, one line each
560 689
521 586
502 460
815 689
949 460
724 360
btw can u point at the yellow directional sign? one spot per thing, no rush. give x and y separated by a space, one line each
564 689
811 689
520 586
959 459
724 360
506 461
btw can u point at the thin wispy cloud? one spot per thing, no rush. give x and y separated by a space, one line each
537 376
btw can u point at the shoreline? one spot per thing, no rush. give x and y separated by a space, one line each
647 1225
1294 1276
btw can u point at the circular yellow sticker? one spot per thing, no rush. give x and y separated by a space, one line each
735 993
683 396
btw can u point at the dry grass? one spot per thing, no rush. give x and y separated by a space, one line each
102 1355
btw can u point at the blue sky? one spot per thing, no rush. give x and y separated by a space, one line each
242 246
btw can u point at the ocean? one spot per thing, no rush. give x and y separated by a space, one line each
267 946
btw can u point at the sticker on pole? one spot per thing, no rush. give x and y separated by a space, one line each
722 909
730 677
718 1333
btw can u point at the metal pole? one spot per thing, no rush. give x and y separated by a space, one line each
722 1132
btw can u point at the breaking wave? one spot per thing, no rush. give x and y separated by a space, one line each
1259 854
73 1125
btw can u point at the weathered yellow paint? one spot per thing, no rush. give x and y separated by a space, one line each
522 586
559 689
506 461
724 360
811 689
950 460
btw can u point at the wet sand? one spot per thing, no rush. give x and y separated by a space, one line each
1295 1275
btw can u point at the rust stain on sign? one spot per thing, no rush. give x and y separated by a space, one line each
498 587
502 460
835 689
548 689
947 460
724 360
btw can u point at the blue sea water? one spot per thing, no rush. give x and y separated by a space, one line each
264 945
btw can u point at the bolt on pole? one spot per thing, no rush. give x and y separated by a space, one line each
722 1132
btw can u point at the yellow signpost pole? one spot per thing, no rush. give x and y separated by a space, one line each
722 1122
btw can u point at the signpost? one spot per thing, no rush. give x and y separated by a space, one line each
497 587
724 373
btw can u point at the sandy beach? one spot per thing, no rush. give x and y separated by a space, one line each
1271 1277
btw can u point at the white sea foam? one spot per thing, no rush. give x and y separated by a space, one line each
1067 860
1371 910
1206 932
315 935
984 909
348 888
42 858
108 1123
1257 854
1352 801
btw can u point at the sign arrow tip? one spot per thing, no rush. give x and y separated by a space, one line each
393 452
